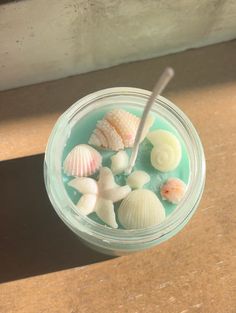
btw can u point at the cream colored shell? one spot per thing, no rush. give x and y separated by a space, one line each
166 153
141 209
119 162
138 179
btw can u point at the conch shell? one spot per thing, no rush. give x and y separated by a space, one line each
117 130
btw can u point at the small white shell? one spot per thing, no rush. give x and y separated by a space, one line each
119 162
138 179
166 154
83 160
87 203
106 179
141 209
84 185
116 194
105 211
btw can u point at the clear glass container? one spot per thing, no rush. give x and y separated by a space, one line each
120 241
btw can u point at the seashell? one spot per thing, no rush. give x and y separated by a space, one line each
116 194
173 190
141 209
87 203
119 128
105 211
166 154
119 162
138 179
108 188
106 179
83 160
113 138
84 185
99 196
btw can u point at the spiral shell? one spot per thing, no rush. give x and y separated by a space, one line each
140 209
166 153
83 160
117 130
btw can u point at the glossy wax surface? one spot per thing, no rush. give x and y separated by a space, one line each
80 135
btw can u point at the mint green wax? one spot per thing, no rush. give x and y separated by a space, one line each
80 135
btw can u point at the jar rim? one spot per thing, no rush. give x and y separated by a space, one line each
84 224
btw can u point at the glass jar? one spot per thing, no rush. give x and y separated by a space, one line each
100 237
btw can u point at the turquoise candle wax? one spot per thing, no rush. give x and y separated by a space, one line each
81 133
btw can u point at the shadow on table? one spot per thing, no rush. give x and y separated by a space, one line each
33 240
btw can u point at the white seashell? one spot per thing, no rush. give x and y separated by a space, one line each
141 209
138 179
87 203
119 128
173 190
105 211
116 194
108 188
83 160
84 185
106 179
166 154
119 162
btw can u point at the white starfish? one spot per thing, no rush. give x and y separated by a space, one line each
99 196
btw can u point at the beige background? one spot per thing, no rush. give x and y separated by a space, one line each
42 40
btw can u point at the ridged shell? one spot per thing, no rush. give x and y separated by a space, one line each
141 209
117 130
173 190
166 154
83 160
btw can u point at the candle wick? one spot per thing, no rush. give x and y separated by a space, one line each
162 82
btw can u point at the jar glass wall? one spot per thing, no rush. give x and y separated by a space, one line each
120 241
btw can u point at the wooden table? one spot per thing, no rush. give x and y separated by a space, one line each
44 268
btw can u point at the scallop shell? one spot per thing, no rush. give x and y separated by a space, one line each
119 162
166 154
173 190
141 209
138 179
117 130
83 160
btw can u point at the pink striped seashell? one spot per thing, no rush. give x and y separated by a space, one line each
83 160
173 190
117 130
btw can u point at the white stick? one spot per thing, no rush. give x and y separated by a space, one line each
159 87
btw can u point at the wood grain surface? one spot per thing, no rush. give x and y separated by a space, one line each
193 272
